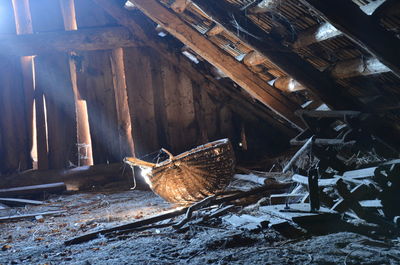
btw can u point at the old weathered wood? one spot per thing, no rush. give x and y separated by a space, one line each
19 202
53 78
33 190
96 84
141 100
288 84
90 39
179 6
254 58
257 87
84 150
137 25
348 18
14 134
32 215
305 148
358 67
171 214
124 122
80 178
321 84
23 23
321 182
322 32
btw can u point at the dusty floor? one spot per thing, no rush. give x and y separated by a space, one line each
34 242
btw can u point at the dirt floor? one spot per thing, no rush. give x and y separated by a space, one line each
33 241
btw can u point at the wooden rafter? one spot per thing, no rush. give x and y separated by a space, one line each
138 26
320 83
238 72
362 29
65 41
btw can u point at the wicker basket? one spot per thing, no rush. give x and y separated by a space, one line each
192 175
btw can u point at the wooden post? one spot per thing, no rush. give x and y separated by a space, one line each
23 23
84 142
124 122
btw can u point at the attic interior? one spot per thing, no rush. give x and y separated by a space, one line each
199 132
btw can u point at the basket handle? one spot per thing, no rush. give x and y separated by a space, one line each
171 156
133 161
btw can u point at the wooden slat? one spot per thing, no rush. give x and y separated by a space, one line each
23 21
53 79
239 73
141 100
362 29
96 83
14 153
91 39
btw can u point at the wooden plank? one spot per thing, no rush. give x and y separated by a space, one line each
54 80
95 83
141 100
126 144
32 215
321 182
362 29
33 190
199 111
14 153
23 21
53 77
90 39
239 73
97 86
158 78
321 84
19 202
80 178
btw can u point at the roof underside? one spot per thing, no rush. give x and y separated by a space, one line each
349 65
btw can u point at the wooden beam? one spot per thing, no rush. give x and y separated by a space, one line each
138 25
254 58
288 84
321 84
264 6
238 72
217 29
179 6
65 41
362 29
358 67
324 31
